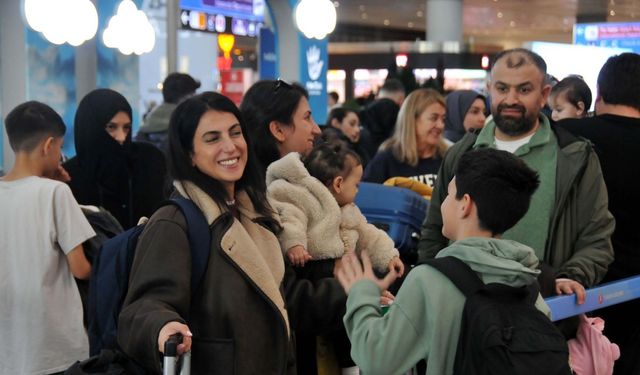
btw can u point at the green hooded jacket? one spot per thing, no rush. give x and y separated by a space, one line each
424 320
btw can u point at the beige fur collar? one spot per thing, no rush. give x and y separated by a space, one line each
252 247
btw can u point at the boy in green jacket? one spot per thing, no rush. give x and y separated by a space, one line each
490 192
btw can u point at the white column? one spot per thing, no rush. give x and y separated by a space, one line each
13 67
287 40
444 21
173 14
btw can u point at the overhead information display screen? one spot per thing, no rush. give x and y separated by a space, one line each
239 17
616 35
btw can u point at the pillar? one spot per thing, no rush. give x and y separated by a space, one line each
13 70
444 21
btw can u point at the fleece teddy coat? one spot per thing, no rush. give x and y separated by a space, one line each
312 218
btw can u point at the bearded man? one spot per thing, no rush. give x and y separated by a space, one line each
568 224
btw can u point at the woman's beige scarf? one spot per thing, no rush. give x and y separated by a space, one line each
252 247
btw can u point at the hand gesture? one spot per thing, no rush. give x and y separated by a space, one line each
396 264
387 298
351 271
568 286
173 328
298 256
60 174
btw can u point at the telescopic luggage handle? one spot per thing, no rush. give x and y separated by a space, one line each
172 362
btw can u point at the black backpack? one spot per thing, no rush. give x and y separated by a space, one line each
502 332
110 273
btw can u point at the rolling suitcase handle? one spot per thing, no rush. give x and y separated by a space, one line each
171 359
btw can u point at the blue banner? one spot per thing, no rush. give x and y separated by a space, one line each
268 61
314 62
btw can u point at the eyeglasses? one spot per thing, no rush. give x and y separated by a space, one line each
282 83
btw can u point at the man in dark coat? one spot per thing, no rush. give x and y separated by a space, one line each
615 133
379 118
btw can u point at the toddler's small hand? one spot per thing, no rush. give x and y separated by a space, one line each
298 256
397 265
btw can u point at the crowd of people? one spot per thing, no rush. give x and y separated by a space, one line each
519 196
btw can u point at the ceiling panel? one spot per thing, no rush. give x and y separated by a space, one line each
487 21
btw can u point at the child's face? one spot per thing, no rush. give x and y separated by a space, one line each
449 209
349 187
562 108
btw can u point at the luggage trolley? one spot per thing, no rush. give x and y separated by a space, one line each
174 364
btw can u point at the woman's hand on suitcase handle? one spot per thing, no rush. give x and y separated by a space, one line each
173 328
397 265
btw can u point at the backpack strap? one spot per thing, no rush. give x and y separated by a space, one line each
468 281
460 274
199 238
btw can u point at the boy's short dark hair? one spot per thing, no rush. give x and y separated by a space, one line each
177 86
329 160
500 184
575 90
619 80
30 123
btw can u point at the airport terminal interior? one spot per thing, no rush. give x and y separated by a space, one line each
330 141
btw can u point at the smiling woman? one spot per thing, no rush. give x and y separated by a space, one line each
238 312
417 146
279 115
219 149
279 118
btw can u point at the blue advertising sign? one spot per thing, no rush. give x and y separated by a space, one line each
314 61
268 61
617 35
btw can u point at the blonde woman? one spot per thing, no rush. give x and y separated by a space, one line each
416 148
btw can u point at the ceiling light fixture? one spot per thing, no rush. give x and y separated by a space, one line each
129 30
315 18
62 21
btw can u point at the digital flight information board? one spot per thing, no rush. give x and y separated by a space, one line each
238 17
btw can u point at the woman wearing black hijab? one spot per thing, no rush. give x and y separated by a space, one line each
109 170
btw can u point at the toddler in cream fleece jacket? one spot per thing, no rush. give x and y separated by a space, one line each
315 198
